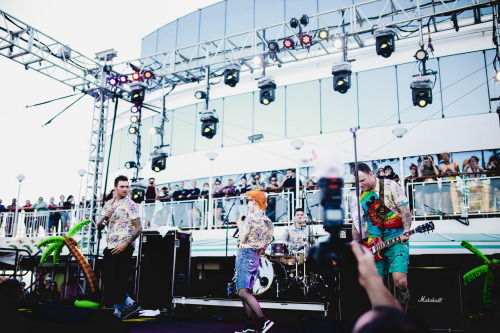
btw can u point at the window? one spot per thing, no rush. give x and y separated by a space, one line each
183 128
269 119
302 109
339 112
238 119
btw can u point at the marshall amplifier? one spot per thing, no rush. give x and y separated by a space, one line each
436 297
163 268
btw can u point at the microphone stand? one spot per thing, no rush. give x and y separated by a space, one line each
353 131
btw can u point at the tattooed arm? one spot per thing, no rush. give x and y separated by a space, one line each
406 217
137 231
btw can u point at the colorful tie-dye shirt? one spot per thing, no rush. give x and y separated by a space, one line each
120 225
294 238
394 198
256 231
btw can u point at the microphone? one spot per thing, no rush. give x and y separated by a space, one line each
243 217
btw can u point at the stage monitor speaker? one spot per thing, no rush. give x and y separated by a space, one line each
164 264
436 297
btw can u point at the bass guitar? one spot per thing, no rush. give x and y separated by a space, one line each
376 244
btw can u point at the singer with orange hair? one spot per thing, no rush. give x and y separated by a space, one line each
256 233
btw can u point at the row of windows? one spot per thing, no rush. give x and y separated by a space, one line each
377 97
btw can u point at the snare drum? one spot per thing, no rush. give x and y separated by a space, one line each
279 249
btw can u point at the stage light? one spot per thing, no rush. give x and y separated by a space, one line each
341 77
134 119
130 165
154 130
294 23
132 130
136 76
338 43
209 120
137 92
273 47
232 74
323 34
113 81
421 91
288 43
384 41
304 20
148 75
267 88
421 55
135 108
257 61
305 39
123 78
200 94
137 195
159 163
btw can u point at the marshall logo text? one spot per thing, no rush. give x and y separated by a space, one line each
424 299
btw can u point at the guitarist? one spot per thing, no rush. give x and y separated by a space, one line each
386 213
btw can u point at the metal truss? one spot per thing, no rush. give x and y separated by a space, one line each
37 51
355 24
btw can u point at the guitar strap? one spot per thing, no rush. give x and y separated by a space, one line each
382 206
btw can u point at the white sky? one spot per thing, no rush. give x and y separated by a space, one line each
50 157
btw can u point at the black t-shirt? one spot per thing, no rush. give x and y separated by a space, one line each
290 182
194 192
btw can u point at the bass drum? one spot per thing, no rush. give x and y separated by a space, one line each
271 275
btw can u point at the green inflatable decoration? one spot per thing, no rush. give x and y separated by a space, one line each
86 304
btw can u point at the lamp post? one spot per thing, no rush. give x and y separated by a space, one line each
20 177
81 172
297 144
212 155
399 132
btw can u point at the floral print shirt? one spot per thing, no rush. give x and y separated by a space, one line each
294 238
256 231
120 225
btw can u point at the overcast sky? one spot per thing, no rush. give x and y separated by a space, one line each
50 157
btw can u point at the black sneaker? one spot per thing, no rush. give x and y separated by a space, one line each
246 330
264 325
130 310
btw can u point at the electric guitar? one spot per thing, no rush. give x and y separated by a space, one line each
376 244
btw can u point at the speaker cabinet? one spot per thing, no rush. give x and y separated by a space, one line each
164 264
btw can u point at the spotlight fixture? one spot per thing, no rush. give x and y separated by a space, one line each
323 34
123 79
305 40
421 55
130 165
137 92
154 130
148 75
267 88
113 81
134 119
294 23
136 76
137 195
200 94
159 159
338 42
384 41
341 77
136 108
209 120
132 130
232 74
421 91
304 20
288 43
273 47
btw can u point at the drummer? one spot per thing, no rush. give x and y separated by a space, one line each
295 236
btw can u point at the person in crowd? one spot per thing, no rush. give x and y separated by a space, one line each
229 190
429 170
2 207
493 166
386 315
69 204
54 216
243 187
257 183
217 193
385 214
380 174
289 180
449 189
164 195
390 174
194 209
295 235
413 185
206 190
180 193
152 194
273 183
311 185
29 219
255 235
111 195
273 187
63 213
9 222
121 215
480 194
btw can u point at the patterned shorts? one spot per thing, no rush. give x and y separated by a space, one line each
247 265
395 259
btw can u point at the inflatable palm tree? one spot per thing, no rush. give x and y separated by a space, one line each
57 244
486 269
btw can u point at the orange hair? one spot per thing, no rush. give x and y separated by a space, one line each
259 197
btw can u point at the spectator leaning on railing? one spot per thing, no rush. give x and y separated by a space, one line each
479 193
431 190
449 188
493 166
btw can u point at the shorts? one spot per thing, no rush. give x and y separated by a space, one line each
395 258
247 265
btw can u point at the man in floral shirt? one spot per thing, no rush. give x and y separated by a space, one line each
121 215
256 233
295 236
